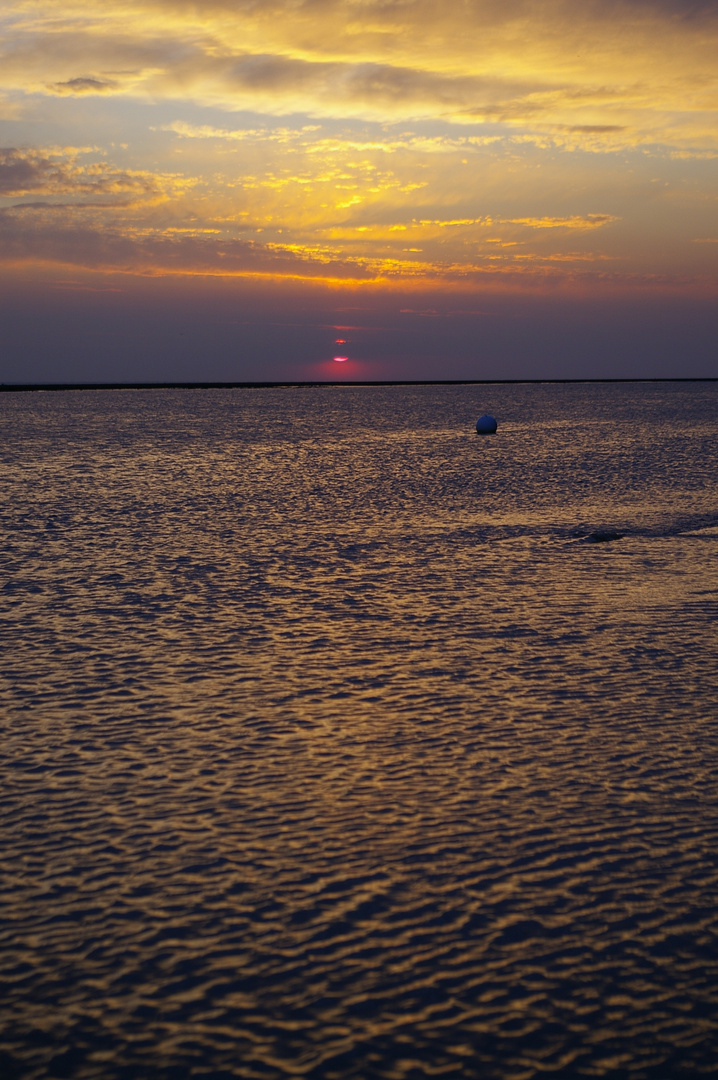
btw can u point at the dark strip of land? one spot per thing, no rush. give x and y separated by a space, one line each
27 387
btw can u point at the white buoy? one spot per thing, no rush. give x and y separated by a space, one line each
486 425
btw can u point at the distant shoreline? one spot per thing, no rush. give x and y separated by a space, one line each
31 387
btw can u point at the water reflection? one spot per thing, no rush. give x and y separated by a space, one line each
332 753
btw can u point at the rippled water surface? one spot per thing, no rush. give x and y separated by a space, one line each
338 741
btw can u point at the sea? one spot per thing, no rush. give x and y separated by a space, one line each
339 741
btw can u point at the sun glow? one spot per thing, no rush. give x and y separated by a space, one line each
332 150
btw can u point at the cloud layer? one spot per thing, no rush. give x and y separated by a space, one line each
632 64
363 139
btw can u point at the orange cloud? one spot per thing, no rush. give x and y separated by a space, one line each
363 140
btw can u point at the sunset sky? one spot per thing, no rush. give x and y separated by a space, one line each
469 189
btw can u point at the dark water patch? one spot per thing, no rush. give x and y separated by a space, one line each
602 536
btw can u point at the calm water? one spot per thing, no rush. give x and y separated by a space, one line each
332 748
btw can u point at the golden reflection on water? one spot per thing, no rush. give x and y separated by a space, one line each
334 750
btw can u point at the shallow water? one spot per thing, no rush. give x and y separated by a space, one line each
333 748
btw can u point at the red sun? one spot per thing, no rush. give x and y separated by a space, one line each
340 359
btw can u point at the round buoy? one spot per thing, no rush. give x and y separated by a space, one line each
486 425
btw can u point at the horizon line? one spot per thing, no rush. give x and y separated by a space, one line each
35 387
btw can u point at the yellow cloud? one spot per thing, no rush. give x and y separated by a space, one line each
351 136
573 75
589 221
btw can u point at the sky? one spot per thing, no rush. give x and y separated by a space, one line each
241 190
